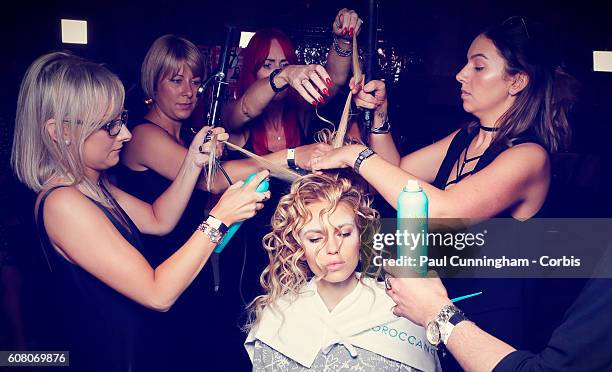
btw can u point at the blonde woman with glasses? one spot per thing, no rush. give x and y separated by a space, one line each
70 128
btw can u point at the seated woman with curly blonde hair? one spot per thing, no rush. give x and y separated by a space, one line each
317 311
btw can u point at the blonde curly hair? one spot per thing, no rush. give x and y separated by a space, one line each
288 271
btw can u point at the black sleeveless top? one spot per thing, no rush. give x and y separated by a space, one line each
456 150
510 309
147 186
99 326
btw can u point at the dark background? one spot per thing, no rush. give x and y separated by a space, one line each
435 35
425 100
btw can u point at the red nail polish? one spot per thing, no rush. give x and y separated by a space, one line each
344 31
320 99
326 91
351 32
328 81
314 103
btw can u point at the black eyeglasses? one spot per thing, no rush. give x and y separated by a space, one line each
114 126
515 21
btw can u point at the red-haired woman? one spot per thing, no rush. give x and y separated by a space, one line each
269 117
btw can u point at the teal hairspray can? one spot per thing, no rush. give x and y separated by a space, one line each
412 214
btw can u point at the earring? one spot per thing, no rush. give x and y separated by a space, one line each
148 101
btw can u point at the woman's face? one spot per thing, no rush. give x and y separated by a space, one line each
176 94
101 150
276 59
485 87
339 256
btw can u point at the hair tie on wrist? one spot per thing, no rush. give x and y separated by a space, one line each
274 87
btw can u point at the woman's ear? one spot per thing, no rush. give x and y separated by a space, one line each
51 127
519 82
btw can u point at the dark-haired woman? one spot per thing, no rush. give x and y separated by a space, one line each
497 166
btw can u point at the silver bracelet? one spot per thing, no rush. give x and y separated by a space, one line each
363 155
340 51
213 234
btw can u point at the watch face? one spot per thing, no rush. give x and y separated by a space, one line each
433 333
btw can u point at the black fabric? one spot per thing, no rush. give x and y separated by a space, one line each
511 309
460 142
100 327
581 342
181 334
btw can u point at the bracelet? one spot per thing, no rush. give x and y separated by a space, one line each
213 234
383 129
363 155
340 51
274 87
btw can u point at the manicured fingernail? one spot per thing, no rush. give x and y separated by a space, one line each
344 31
314 103
328 81
351 31
326 91
320 99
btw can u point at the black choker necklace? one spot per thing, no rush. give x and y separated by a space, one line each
488 129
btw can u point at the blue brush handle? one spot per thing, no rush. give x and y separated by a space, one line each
263 187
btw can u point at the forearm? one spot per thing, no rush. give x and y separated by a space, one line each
241 169
170 205
338 68
251 104
383 143
389 181
175 274
475 349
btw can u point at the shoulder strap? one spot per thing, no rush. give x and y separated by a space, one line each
40 225
459 142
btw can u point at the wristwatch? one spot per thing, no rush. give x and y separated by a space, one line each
291 158
217 224
440 328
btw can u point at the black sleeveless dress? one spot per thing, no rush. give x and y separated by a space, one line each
182 333
100 327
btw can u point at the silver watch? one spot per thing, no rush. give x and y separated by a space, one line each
440 328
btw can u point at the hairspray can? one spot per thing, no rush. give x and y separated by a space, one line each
412 205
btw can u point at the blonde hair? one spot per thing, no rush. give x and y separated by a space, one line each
166 57
79 96
287 271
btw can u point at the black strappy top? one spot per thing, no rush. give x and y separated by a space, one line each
460 143
98 325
